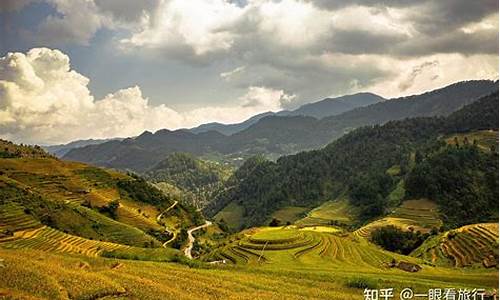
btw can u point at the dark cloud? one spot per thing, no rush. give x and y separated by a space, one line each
128 11
13 5
308 79
434 17
337 4
480 42
363 42
311 49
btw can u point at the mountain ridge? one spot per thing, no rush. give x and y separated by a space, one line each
318 109
282 135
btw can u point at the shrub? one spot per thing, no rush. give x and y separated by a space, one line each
396 240
361 283
275 222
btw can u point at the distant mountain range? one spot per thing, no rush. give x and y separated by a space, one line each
275 135
62 149
320 109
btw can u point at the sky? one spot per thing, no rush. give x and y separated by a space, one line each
79 69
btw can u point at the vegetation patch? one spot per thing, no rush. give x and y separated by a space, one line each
396 240
463 180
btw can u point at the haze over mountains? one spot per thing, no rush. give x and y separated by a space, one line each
62 149
274 135
320 109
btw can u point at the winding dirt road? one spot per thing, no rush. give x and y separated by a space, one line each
174 234
166 211
187 250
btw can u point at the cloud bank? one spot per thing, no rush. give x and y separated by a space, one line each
309 48
42 100
275 54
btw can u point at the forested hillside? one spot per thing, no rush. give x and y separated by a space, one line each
11 150
463 180
188 179
359 162
274 136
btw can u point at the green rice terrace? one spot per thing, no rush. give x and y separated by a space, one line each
419 215
467 246
309 259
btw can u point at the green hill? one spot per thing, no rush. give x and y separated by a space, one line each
66 206
191 180
416 215
359 162
11 150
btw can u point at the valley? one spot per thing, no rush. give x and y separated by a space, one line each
249 150
383 206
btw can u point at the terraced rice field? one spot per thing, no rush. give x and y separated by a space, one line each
289 214
71 184
467 246
13 218
47 239
60 180
267 263
420 215
337 210
299 247
55 187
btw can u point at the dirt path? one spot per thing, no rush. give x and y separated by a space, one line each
187 251
174 234
166 211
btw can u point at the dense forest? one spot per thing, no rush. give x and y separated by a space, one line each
463 180
358 161
189 179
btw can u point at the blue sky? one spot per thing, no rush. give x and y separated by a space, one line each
178 63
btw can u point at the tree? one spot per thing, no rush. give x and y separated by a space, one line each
275 222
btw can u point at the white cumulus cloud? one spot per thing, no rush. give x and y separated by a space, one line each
42 100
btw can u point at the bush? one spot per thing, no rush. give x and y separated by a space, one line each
275 222
396 240
361 283
111 209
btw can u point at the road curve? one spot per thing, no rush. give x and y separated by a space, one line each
187 250
166 210
174 235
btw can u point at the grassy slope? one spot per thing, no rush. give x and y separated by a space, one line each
67 197
338 210
485 138
289 214
421 215
67 185
231 214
